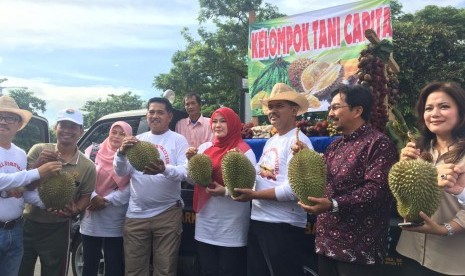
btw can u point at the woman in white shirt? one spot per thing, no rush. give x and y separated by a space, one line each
102 224
221 223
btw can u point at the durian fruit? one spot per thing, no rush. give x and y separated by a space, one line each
142 154
58 190
199 169
294 71
414 185
238 172
307 175
321 78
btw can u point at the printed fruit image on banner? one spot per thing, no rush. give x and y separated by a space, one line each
313 52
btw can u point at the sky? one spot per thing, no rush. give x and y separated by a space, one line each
69 52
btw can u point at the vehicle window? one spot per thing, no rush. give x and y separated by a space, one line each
36 131
99 131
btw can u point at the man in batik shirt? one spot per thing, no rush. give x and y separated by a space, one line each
353 217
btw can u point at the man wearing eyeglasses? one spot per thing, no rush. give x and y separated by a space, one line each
13 177
353 217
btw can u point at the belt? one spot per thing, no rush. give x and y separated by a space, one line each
10 224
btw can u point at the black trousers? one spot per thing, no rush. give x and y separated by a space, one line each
332 267
274 249
221 261
113 255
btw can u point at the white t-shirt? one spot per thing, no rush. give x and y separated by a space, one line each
151 195
13 174
276 155
223 221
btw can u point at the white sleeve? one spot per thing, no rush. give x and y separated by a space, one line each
119 197
121 165
17 179
33 198
178 172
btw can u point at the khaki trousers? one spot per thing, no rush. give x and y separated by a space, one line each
162 234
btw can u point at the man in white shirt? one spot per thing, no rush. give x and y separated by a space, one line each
14 176
154 216
277 225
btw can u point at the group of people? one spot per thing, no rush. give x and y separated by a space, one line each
134 215
38 231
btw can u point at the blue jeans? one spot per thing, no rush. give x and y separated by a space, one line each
11 249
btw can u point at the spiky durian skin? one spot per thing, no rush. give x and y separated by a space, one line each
142 154
414 185
238 172
307 175
58 190
295 70
199 169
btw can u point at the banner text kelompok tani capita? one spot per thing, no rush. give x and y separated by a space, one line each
313 51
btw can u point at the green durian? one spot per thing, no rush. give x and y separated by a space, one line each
307 174
238 172
142 154
415 187
58 190
200 169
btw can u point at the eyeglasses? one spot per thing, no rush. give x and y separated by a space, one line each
335 107
9 119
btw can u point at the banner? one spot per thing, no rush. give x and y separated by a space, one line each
313 52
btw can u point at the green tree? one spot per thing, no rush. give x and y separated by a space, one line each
214 64
26 100
113 103
429 46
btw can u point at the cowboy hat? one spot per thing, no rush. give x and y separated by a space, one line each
8 104
283 92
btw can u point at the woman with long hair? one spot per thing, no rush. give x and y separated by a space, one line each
437 247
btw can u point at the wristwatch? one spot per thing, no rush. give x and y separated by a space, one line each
334 206
120 154
450 230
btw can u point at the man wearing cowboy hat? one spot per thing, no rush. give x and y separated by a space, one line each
277 225
13 175
46 232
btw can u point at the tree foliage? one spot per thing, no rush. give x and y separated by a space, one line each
26 100
214 63
113 103
429 46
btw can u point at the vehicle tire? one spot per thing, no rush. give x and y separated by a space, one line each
77 259
310 272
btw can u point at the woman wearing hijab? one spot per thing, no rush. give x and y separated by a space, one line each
221 223
102 223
